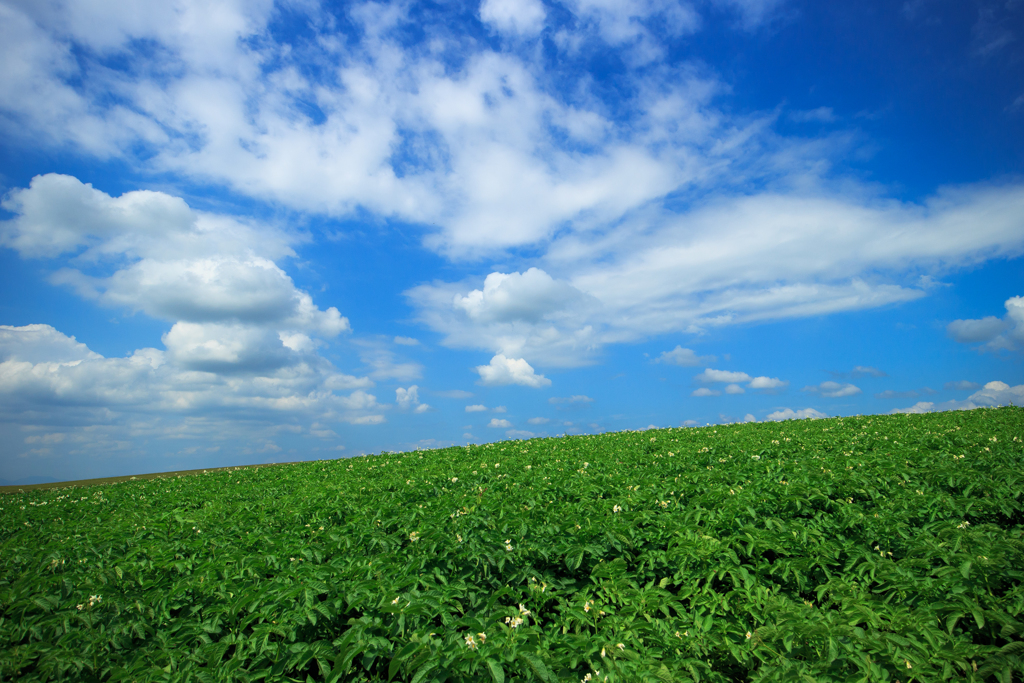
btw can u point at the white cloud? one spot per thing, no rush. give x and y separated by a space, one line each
41 344
626 23
571 399
867 371
367 420
199 388
510 297
519 434
962 385
999 394
752 13
971 331
704 391
479 408
422 408
520 17
407 398
500 409
502 371
917 408
834 389
749 418
930 407
767 383
499 423
496 156
734 389
382 364
790 414
514 314
998 333
234 310
538 420
710 376
407 341
684 357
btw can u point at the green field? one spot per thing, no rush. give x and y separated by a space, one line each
878 548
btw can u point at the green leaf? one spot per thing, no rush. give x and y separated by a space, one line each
497 673
538 666
402 654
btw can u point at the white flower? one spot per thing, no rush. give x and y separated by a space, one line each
414 536
522 610
616 509
620 646
471 642
395 601
508 545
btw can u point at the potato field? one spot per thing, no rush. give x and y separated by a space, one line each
875 548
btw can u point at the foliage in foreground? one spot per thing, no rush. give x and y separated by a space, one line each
857 549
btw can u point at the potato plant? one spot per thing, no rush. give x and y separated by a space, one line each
875 548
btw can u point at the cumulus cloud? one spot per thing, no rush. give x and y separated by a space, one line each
961 385
519 434
499 423
528 314
704 391
41 344
502 371
834 389
790 414
683 357
154 394
538 420
407 341
867 371
749 418
996 333
709 375
917 408
999 394
500 409
768 383
519 17
233 309
478 408
409 398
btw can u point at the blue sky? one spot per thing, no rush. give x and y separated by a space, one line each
238 232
